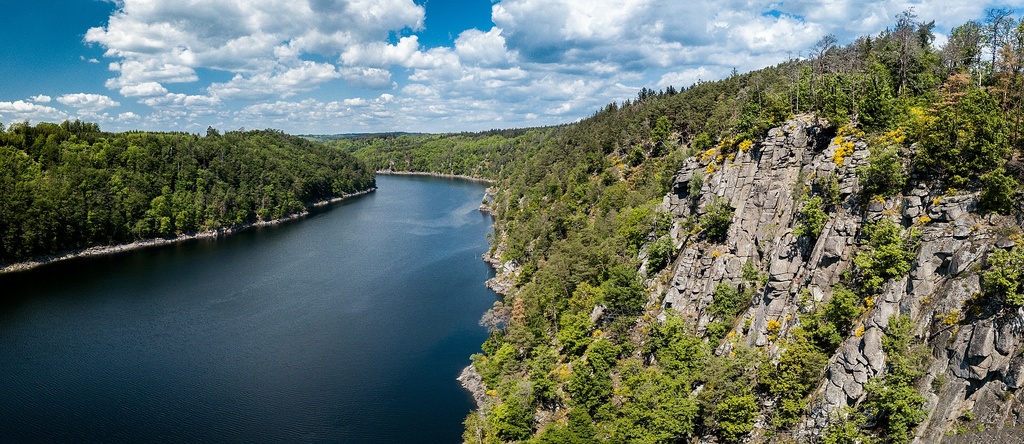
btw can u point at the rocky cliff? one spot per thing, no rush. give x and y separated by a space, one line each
975 367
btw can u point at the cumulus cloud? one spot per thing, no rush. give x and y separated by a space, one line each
146 89
92 102
483 48
542 61
282 81
260 41
42 98
22 110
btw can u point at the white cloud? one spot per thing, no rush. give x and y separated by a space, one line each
283 81
262 42
542 62
483 48
42 98
92 102
22 110
688 77
197 102
371 78
147 89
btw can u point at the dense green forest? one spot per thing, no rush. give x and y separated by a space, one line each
482 155
70 186
576 211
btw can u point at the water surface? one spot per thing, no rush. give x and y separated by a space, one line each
347 326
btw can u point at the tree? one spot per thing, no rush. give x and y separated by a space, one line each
965 139
997 192
735 417
1003 280
884 174
998 23
811 219
889 254
962 53
716 219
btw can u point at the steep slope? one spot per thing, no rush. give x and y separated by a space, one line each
821 251
974 367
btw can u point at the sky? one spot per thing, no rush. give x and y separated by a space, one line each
358 66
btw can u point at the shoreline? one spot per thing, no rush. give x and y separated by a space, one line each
439 175
103 250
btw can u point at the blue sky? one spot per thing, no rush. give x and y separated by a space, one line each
340 66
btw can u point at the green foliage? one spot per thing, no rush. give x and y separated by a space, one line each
889 254
884 175
541 365
827 187
716 331
702 142
635 225
677 348
636 157
894 401
657 408
811 219
574 333
623 291
796 374
661 129
591 383
512 420
750 273
695 184
965 139
735 417
1003 280
579 430
716 219
660 253
70 186
847 429
726 302
827 326
997 192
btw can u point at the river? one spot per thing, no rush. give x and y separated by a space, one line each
349 325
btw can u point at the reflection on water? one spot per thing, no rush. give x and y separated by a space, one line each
348 326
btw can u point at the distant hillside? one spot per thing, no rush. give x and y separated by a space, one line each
70 186
357 136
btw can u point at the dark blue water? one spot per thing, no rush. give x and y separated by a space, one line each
350 325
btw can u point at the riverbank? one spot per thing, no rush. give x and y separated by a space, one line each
440 175
102 250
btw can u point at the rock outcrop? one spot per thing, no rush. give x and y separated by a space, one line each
977 363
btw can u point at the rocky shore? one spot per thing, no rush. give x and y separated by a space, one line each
147 243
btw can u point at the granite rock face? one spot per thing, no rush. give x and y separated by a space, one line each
977 357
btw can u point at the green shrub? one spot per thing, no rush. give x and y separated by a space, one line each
811 219
574 333
889 254
884 175
1003 280
965 139
726 303
659 254
892 398
716 219
997 192
798 370
735 417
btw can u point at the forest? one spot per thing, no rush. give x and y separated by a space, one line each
70 186
577 217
